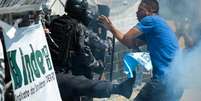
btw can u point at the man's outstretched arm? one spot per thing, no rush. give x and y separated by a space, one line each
128 39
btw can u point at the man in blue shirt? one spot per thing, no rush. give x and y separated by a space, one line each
162 45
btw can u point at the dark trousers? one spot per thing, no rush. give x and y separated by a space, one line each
71 86
156 90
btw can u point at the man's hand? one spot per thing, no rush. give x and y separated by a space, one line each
105 21
127 38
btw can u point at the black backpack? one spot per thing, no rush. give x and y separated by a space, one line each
63 39
69 48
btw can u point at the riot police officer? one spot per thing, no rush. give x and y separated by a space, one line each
73 60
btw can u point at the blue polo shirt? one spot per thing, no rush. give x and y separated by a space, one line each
161 42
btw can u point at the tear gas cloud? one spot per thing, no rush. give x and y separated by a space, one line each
186 68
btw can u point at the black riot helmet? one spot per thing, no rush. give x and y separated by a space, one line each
76 7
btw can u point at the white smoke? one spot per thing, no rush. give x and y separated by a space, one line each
186 68
185 71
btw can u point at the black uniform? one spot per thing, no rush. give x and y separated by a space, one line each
69 44
74 61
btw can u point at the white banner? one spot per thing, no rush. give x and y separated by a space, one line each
32 71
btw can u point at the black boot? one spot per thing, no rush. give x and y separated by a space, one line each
125 88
